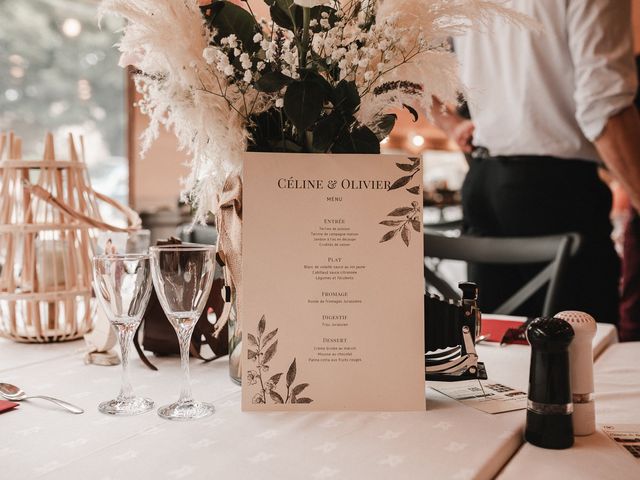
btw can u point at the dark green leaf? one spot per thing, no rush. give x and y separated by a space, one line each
282 12
415 190
407 167
269 336
261 325
412 111
346 97
303 103
297 390
228 18
271 82
385 125
388 236
325 132
401 182
271 351
400 212
275 396
312 75
406 234
291 373
416 225
360 140
391 223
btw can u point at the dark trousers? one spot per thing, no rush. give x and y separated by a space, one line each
533 195
630 284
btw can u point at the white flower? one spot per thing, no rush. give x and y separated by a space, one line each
209 54
247 76
309 3
261 66
279 103
233 40
228 70
368 76
245 61
257 38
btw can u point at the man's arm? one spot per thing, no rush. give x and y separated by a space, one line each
619 148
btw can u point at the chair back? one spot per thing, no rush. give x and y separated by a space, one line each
554 250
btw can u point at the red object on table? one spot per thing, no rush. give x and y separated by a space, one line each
5 406
495 326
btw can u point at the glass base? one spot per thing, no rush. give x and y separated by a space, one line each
129 406
186 411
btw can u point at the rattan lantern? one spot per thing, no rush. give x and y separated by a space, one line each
49 218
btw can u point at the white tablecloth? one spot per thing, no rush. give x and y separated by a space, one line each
617 382
449 440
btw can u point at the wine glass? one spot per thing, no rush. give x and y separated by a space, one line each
182 277
123 285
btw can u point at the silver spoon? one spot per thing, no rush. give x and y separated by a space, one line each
11 392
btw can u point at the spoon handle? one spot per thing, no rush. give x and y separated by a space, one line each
62 403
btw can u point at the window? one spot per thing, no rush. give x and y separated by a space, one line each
59 72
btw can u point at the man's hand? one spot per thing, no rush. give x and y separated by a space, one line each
619 148
462 134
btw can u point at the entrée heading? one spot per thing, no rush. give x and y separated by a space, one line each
292 183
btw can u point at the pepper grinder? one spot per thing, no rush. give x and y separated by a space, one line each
581 362
549 405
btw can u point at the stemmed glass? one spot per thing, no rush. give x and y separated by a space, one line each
123 285
182 277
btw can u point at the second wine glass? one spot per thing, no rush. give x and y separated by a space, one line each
182 277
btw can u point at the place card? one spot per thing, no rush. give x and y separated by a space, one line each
626 436
485 395
331 300
5 406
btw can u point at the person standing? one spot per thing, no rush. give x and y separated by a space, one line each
550 107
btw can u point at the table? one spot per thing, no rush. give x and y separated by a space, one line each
450 440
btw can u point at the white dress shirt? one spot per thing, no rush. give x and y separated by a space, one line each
550 93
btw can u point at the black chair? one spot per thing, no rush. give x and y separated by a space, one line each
554 250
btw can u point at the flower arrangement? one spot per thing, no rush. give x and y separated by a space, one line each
317 76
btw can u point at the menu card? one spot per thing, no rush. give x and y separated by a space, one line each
331 301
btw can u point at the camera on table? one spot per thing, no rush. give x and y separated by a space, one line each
451 329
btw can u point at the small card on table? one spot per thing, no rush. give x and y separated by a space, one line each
5 406
485 395
331 300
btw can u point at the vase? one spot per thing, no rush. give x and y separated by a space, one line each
235 341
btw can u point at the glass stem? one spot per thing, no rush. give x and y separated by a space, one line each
125 337
184 337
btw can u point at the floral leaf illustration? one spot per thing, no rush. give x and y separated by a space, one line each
388 236
303 400
291 373
391 223
297 390
415 190
401 182
269 337
275 396
252 340
406 233
415 223
400 212
415 160
261 325
271 351
275 379
407 167
252 355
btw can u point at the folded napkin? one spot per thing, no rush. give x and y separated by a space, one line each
5 406
505 329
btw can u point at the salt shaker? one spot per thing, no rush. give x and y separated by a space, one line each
581 363
549 405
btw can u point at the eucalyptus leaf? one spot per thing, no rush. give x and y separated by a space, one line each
275 378
271 82
252 340
270 336
297 390
388 236
261 325
416 225
406 235
407 167
275 396
391 223
228 18
415 190
304 400
303 103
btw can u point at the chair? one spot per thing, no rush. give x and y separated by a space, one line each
555 250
